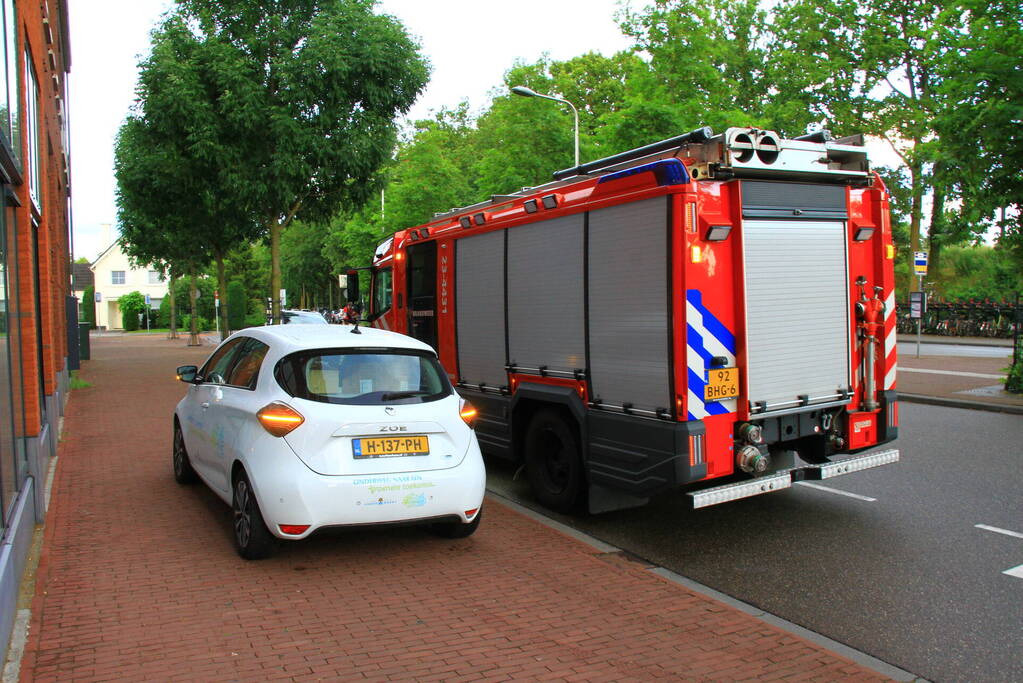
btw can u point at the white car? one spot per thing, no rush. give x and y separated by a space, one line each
301 427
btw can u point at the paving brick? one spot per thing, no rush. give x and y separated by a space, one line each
138 581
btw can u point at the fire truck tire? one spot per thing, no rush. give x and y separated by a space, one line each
553 463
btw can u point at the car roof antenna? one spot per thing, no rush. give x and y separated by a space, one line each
355 328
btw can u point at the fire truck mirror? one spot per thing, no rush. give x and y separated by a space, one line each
352 291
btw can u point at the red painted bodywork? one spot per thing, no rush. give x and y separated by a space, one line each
718 274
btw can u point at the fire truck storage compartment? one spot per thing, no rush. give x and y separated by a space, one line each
797 307
628 306
479 300
545 295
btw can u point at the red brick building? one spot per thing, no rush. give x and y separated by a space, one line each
34 270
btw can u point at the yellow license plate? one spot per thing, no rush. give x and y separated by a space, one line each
390 446
722 384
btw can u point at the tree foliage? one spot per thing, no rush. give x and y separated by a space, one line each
324 80
237 305
132 305
89 306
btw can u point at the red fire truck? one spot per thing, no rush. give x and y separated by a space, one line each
713 314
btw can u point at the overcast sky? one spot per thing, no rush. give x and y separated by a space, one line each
470 44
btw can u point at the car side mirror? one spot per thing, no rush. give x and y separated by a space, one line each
186 373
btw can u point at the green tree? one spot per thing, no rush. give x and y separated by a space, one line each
709 65
182 146
879 67
352 238
307 273
980 129
237 305
432 171
89 306
132 305
320 86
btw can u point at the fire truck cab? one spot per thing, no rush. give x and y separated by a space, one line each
710 314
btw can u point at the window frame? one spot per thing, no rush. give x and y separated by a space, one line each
230 349
298 359
32 129
250 346
113 277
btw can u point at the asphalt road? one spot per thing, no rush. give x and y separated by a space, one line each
905 576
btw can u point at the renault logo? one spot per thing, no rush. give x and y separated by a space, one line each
389 410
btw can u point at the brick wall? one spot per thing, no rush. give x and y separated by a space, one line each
39 23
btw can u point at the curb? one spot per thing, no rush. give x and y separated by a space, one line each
958 403
862 658
955 341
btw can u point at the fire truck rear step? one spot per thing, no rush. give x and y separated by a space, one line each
785 479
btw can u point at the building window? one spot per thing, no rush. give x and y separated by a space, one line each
155 277
117 277
10 103
32 128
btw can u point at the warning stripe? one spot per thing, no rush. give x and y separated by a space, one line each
706 337
890 342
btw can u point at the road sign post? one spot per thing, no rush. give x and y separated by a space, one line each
149 310
920 269
917 308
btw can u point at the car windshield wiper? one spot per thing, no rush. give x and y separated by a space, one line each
396 395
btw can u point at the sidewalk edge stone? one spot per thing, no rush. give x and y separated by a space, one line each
957 403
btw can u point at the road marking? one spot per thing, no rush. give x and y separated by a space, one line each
985 527
951 372
1015 571
857 496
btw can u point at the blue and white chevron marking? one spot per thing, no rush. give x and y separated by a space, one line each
706 337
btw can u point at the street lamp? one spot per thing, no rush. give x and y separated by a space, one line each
528 92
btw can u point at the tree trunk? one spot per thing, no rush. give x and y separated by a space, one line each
275 271
193 332
936 231
221 311
173 310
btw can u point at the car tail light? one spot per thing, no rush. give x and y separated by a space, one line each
279 419
293 529
467 412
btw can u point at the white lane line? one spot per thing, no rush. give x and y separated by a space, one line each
985 527
1015 571
857 496
951 372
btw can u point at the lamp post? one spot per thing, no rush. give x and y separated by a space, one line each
529 92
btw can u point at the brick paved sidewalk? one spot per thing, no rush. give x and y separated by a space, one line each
138 581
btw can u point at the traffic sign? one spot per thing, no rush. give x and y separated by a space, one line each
920 262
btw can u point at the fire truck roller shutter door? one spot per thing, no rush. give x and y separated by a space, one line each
545 294
479 302
629 304
797 307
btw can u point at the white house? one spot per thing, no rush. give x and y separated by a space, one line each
114 277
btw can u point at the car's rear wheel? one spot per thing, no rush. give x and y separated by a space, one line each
183 472
252 539
457 529
553 463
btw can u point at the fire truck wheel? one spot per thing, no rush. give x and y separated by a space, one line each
553 464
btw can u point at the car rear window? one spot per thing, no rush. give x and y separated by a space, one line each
363 377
